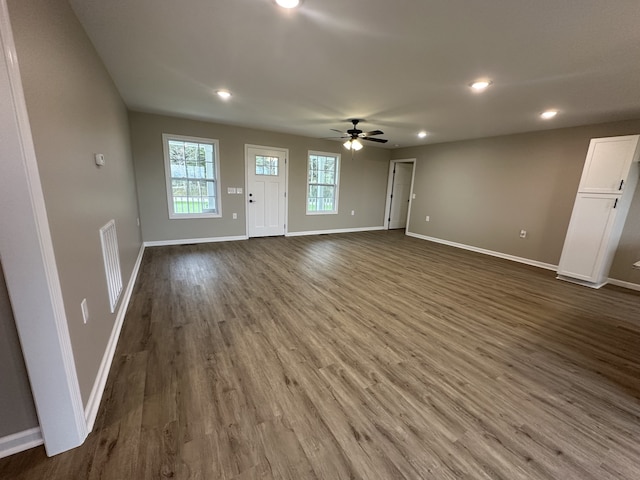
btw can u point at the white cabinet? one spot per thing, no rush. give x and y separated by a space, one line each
589 231
607 165
606 188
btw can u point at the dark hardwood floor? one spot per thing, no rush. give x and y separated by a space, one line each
361 356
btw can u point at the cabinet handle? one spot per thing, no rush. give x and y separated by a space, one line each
615 204
621 183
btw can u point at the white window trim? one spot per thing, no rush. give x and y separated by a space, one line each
167 173
337 183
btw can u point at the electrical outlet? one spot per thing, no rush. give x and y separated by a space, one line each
85 310
235 216
353 212
427 218
523 234
413 197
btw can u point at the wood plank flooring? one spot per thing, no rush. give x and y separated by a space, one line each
361 356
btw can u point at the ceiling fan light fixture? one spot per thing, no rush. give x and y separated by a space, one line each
422 134
549 114
288 3
224 94
353 144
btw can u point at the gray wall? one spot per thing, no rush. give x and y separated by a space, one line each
362 179
17 411
75 111
482 192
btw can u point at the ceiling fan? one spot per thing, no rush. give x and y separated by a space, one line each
354 136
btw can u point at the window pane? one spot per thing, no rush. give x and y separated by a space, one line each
266 165
191 152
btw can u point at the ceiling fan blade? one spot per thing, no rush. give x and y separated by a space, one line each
339 131
379 140
374 132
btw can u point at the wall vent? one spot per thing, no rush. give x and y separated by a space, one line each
111 256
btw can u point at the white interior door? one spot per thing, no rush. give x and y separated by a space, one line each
400 195
266 191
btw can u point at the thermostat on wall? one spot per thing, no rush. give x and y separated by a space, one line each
99 159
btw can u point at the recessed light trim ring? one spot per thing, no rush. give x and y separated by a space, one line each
288 3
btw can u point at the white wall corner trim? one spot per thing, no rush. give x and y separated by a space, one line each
623 284
93 404
513 258
337 230
30 266
21 441
188 241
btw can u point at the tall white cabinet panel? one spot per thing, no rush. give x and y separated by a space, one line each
607 165
604 196
589 230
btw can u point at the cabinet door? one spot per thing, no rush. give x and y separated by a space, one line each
607 164
587 239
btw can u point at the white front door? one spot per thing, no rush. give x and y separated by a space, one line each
400 195
266 191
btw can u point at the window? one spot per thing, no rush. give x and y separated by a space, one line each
266 165
322 183
192 170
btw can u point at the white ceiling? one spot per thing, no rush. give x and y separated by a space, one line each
403 65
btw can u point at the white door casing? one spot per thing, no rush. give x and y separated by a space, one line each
266 190
410 163
400 195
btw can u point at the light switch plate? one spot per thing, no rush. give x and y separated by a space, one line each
231 190
99 158
239 190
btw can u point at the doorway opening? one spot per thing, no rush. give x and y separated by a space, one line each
399 194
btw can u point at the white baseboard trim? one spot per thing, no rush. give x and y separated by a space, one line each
21 441
186 241
513 258
584 283
91 409
337 230
623 284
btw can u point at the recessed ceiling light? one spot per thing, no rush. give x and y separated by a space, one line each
549 114
224 94
422 134
480 85
288 3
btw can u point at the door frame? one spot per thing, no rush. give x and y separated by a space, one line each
247 146
387 207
